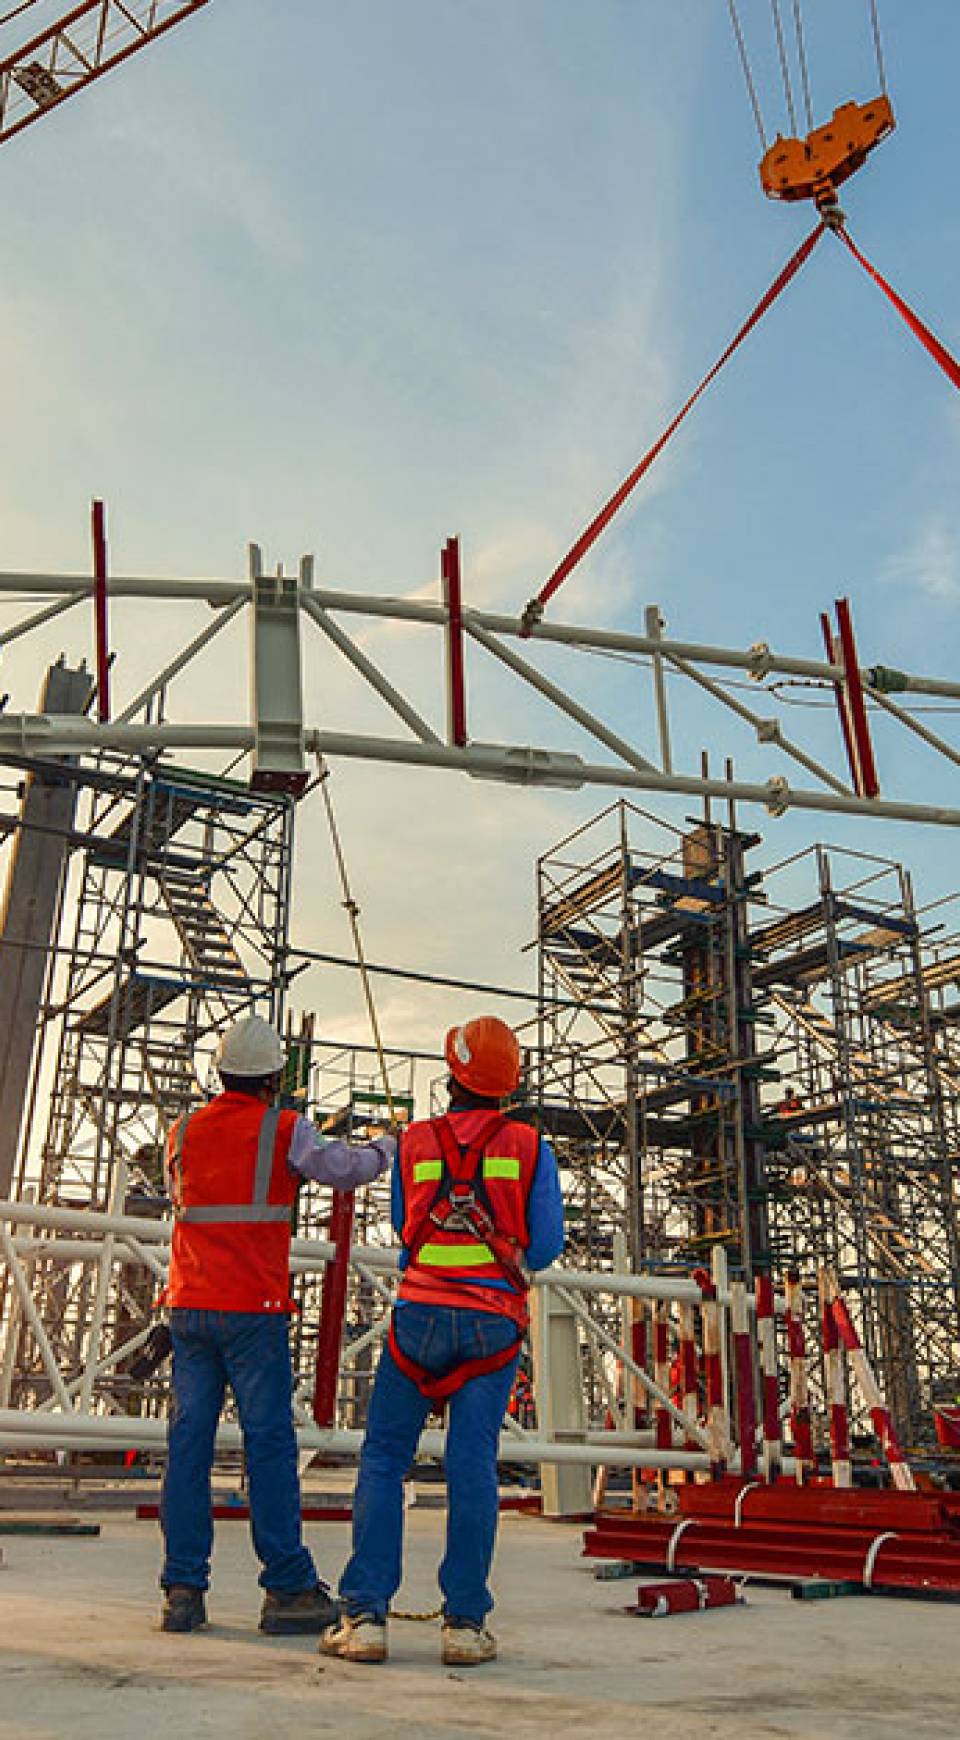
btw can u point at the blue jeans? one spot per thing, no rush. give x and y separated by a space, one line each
250 1351
439 1338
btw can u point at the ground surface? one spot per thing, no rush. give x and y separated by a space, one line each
81 1656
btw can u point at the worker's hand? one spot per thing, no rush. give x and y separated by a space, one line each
387 1148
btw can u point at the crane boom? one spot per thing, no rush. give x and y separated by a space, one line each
79 47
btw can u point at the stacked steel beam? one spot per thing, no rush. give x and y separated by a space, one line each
882 1541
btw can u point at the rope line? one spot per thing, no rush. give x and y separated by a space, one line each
748 75
804 68
353 913
588 538
784 65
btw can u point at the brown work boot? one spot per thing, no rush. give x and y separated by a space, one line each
308 1610
357 1637
184 1609
466 1645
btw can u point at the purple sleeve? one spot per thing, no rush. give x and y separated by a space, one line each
341 1165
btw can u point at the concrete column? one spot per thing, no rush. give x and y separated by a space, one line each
28 915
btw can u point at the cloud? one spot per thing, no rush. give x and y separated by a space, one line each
931 563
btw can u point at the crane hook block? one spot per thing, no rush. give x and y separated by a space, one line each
814 167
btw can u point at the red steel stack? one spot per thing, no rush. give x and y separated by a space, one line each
767 1343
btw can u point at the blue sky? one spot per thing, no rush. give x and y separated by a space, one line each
350 278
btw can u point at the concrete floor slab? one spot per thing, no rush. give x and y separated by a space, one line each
81 1655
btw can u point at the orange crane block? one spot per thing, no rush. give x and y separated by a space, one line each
814 167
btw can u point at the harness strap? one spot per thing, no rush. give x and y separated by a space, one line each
461 1167
437 1389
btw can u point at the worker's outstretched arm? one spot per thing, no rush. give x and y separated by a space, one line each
545 1211
341 1165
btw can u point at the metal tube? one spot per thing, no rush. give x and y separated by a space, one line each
32 1315
371 672
182 660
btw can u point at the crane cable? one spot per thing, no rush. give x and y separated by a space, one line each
534 610
353 913
747 73
804 69
878 46
784 65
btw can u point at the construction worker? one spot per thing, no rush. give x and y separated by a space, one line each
476 1202
234 1169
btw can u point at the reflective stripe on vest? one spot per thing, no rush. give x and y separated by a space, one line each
258 1210
494 1166
467 1256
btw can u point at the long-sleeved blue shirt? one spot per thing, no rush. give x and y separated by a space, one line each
544 1215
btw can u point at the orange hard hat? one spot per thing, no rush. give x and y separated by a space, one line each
484 1056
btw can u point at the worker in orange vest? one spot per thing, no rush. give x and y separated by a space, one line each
234 1168
477 1204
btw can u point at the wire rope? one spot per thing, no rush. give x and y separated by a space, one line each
804 67
784 65
353 913
747 73
878 45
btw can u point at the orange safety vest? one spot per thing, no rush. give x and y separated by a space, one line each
233 1197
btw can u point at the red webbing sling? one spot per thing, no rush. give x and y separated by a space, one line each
920 330
588 538
460 1167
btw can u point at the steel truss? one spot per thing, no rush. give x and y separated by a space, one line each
783 1091
279 739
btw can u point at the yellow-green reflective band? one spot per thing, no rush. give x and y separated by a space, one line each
426 1169
472 1256
501 1166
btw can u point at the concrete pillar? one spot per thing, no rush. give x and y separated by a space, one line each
28 915
561 1407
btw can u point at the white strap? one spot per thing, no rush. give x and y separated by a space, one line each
870 1561
669 1563
741 1495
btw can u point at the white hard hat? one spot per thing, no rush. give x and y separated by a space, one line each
251 1047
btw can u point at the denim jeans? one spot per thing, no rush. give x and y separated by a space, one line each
439 1338
250 1351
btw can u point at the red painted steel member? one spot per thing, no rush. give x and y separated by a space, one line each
235 1166
801 1424
836 1391
870 1390
477 1202
767 1345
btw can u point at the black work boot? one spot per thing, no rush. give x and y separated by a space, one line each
309 1610
184 1609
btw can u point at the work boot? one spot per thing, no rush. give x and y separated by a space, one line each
307 1610
184 1609
463 1644
356 1637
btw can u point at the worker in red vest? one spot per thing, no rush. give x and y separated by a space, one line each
477 1204
234 1168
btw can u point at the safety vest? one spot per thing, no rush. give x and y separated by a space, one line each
233 1197
449 1257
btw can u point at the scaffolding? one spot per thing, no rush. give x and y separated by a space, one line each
176 925
769 1075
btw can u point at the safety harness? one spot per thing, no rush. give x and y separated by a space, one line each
461 1204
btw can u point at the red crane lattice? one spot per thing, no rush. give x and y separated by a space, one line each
79 47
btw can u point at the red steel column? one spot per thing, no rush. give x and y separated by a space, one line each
689 1384
98 527
836 1398
767 1344
662 1424
456 681
718 1426
332 1306
743 1368
800 1422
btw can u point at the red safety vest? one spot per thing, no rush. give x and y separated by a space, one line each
233 1196
466 1180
